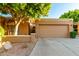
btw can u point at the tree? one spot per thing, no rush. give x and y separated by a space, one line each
71 14
19 11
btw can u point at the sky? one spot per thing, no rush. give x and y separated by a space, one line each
58 9
5 15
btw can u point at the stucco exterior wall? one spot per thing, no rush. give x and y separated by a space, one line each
24 28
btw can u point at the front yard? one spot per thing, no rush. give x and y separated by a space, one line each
22 45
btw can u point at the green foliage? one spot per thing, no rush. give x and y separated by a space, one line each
2 32
71 14
34 10
38 10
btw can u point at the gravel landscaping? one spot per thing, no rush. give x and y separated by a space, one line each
18 49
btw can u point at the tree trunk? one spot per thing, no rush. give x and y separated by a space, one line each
17 26
16 30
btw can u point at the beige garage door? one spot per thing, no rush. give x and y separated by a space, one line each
53 31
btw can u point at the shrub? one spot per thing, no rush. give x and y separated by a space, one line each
73 34
2 32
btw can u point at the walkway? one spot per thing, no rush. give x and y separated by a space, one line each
56 47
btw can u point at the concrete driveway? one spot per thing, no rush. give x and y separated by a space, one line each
56 47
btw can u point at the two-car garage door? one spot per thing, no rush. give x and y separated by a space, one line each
50 30
47 28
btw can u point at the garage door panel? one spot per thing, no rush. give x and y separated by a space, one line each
53 31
